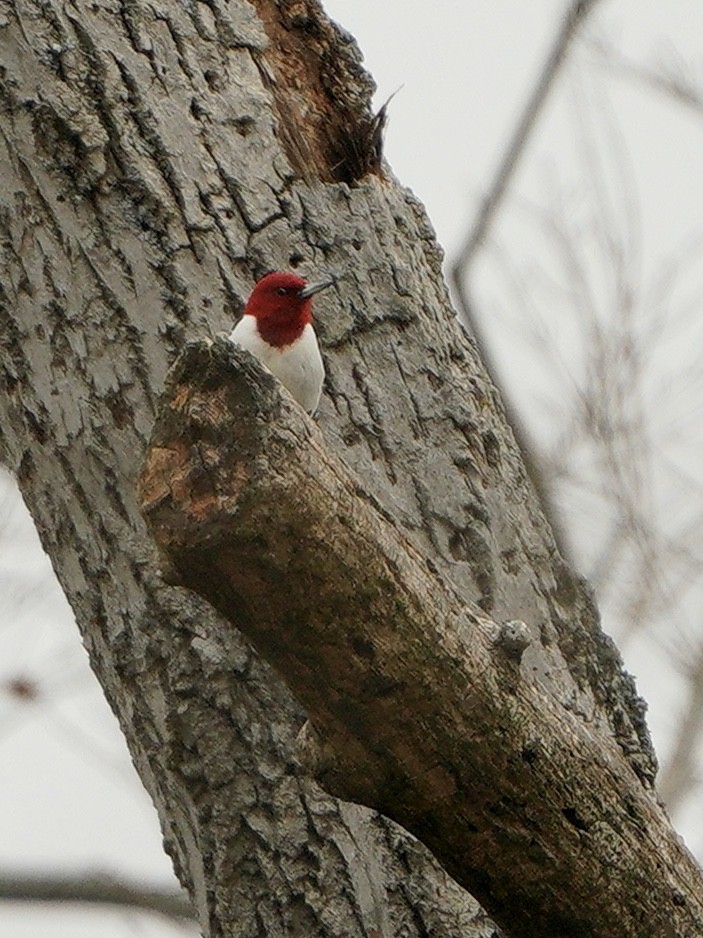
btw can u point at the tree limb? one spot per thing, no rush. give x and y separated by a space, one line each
94 889
423 709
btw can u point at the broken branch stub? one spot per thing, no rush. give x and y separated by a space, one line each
536 813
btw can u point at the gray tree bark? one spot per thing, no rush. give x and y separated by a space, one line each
155 159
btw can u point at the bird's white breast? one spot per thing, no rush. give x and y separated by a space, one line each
297 366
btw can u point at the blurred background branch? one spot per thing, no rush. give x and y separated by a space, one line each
460 267
94 889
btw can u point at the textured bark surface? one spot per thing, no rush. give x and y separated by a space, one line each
155 159
253 512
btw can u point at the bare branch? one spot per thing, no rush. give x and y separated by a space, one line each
459 270
94 889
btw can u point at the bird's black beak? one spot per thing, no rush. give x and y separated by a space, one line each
310 289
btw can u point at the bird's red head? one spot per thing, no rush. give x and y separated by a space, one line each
282 305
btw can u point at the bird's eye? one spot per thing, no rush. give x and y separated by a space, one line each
281 291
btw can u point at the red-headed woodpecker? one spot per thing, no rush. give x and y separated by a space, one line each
277 328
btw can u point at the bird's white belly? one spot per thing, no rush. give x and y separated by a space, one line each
298 366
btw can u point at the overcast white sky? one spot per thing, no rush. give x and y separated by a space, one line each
68 797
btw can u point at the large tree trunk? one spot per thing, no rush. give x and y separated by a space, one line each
155 159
